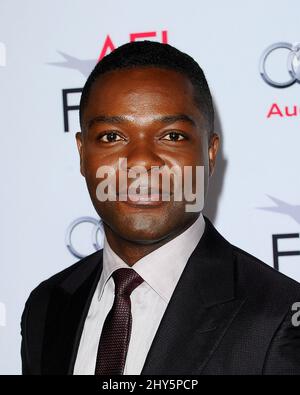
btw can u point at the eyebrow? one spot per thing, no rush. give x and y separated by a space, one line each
119 119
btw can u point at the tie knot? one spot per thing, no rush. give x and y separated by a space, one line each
126 280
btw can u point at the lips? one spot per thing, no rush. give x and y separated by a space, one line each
145 196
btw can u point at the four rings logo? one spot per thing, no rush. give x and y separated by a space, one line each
97 232
293 64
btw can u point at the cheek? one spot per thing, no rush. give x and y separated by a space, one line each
189 160
95 158
91 162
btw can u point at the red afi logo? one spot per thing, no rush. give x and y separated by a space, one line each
109 46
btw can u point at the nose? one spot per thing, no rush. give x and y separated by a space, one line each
144 154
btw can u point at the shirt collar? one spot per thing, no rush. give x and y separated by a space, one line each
162 268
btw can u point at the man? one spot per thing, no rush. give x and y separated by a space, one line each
167 294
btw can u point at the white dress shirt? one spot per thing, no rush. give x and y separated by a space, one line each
160 270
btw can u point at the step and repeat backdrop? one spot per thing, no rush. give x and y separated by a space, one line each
250 53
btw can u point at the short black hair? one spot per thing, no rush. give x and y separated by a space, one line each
154 54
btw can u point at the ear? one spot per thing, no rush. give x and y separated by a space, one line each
214 142
79 141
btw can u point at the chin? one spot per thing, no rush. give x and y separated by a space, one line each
144 235
141 231
145 226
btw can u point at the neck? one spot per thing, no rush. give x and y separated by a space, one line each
132 251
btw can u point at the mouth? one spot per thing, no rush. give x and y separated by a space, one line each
145 197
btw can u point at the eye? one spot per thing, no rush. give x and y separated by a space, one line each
174 136
110 137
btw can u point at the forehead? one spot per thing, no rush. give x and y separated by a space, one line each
149 89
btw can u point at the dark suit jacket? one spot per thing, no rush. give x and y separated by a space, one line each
229 314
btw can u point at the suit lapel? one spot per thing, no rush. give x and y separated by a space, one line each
201 309
66 315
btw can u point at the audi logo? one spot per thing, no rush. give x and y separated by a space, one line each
97 229
293 64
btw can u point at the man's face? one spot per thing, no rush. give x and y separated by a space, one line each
149 117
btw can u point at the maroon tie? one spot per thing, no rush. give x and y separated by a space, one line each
115 335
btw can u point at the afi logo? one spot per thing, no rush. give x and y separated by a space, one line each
85 66
293 211
109 45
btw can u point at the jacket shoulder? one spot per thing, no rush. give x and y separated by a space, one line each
33 319
262 278
44 289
